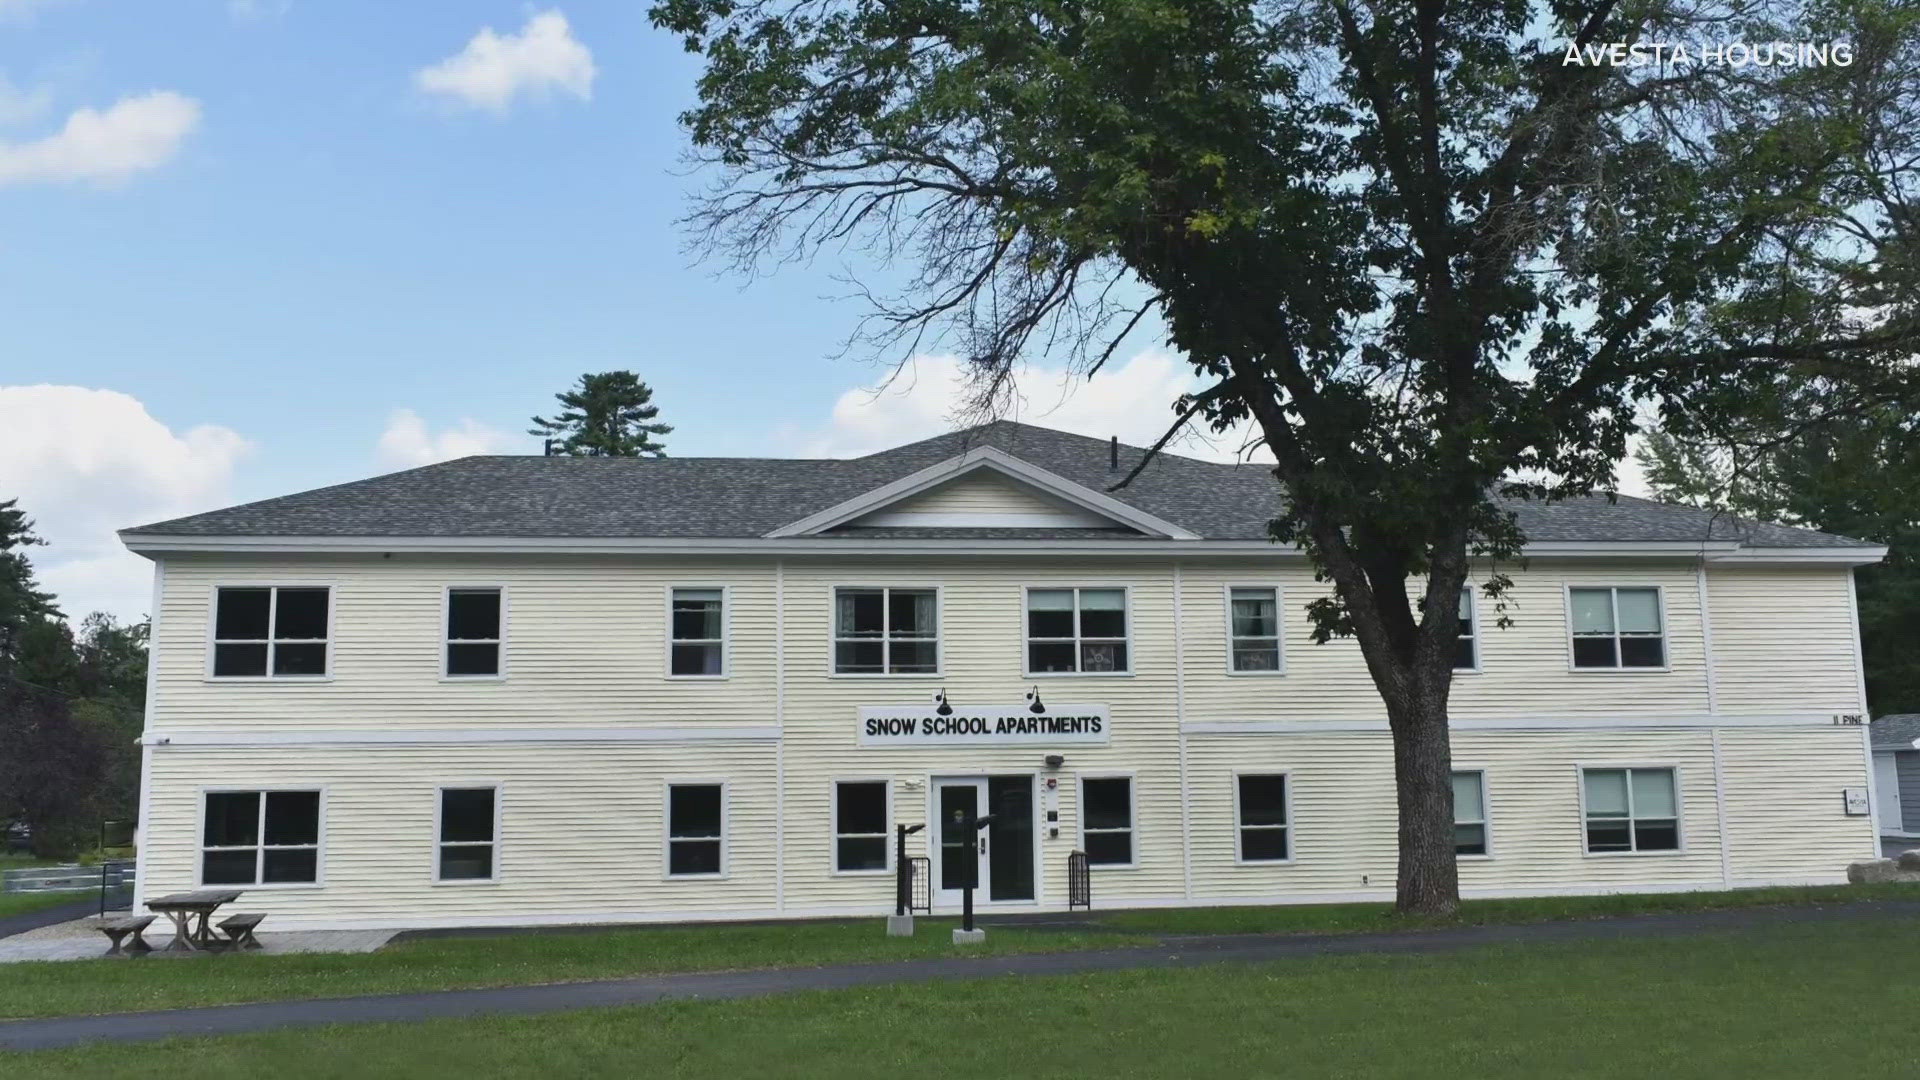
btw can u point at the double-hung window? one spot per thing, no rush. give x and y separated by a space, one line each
1260 810
1631 809
1077 630
270 631
1469 813
1254 630
1617 628
860 826
469 834
1466 644
260 838
474 632
699 646
696 830
886 631
1106 820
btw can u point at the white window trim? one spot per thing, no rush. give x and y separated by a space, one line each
1026 639
939 632
1133 817
1666 629
1486 814
726 635
263 790
666 827
1293 839
439 795
273 584
1580 770
833 810
446 628
1479 642
1279 627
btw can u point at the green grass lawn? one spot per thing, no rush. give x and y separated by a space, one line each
119 985
1362 918
21 903
1783 1001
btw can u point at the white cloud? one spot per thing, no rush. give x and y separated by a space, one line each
407 443
17 105
132 135
542 59
1133 400
84 463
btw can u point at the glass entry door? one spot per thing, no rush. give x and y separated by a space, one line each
962 855
998 859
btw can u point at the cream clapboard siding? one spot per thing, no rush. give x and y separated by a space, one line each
586 645
1344 817
582 833
1783 634
985 492
1784 804
1525 668
982 635
586 649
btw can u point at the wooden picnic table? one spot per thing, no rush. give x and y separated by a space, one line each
183 907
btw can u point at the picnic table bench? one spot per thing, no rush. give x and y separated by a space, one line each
240 929
117 930
187 907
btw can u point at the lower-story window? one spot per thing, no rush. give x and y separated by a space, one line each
1260 807
1469 813
696 830
1631 809
1106 820
860 826
260 838
469 833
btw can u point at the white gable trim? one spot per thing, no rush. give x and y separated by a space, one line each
984 457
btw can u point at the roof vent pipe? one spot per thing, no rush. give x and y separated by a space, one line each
1113 453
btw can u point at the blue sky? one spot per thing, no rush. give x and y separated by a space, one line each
247 247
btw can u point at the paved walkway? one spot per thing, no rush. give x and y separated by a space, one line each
1174 952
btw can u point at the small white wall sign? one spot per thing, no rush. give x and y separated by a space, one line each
985 725
1857 805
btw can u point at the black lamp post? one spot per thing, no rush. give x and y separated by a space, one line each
903 870
969 824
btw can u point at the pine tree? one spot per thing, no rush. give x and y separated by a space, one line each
610 414
21 601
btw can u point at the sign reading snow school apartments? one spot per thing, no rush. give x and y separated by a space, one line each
988 725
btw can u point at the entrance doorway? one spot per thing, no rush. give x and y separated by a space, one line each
998 859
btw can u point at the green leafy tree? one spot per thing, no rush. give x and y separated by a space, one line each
1423 247
21 601
56 750
1855 474
610 414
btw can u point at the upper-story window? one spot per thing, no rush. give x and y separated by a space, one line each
474 632
1077 630
699 645
1254 629
886 631
270 631
1617 628
1466 646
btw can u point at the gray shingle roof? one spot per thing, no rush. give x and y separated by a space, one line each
598 498
1895 732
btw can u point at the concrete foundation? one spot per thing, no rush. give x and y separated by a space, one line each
899 926
968 937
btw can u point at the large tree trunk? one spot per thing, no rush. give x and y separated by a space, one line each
1423 783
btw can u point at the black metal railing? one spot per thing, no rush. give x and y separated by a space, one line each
1079 882
115 887
920 884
